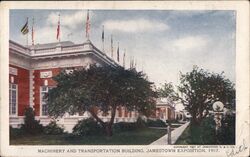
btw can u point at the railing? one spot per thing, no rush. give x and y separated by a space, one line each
19 48
73 48
64 49
41 51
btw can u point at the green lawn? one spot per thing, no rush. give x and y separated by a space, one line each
194 135
185 138
136 137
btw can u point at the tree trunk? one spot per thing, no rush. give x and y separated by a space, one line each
196 116
108 129
96 117
107 126
194 120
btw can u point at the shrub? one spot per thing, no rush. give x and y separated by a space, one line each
207 131
226 135
206 134
31 126
15 132
128 126
87 127
140 123
124 126
156 123
53 129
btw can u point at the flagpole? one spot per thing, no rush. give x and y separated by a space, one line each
124 54
103 38
142 66
103 46
32 33
112 49
27 43
130 62
118 55
27 35
87 27
59 29
135 63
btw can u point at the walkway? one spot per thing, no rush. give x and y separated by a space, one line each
175 134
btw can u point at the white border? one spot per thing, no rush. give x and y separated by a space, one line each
242 70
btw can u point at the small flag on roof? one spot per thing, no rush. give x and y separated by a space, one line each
25 28
102 33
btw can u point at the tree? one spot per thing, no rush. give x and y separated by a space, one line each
200 89
167 90
31 125
101 89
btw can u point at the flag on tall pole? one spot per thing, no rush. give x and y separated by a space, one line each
124 55
112 48
87 26
32 33
25 28
58 29
103 38
118 56
25 31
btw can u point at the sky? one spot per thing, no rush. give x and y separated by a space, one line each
163 42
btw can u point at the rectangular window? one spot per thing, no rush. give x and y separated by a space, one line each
44 107
12 99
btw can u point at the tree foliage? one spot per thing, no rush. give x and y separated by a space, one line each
101 89
199 89
167 90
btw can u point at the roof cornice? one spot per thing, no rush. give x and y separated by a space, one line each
62 51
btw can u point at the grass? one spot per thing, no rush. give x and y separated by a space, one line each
185 138
136 137
196 135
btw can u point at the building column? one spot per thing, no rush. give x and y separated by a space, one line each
32 88
123 112
166 113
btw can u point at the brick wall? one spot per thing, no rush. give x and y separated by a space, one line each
22 81
38 82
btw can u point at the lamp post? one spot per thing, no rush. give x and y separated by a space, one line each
169 132
218 112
